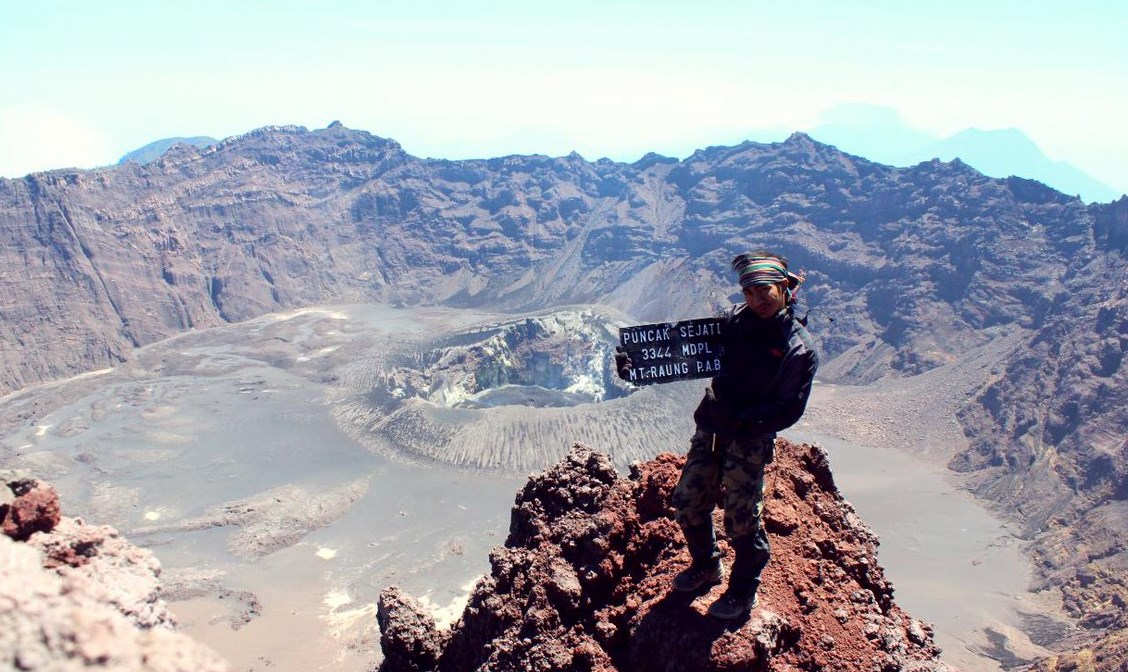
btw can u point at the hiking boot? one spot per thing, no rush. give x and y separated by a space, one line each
696 577
733 604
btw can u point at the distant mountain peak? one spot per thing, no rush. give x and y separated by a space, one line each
652 158
880 134
336 139
798 137
154 150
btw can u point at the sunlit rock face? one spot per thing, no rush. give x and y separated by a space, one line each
554 360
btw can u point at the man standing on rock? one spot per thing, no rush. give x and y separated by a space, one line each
767 367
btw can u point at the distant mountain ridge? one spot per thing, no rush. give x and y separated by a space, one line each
879 134
154 150
919 266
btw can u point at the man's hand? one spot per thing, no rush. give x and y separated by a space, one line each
622 363
714 416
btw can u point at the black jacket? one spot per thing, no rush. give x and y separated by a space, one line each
767 368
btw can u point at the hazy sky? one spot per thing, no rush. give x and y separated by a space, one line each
84 82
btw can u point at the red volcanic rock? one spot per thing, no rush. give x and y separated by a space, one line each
410 640
34 509
582 583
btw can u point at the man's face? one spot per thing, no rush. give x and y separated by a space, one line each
765 300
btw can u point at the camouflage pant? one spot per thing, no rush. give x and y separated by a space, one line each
738 465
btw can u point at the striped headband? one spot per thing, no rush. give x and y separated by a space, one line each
763 271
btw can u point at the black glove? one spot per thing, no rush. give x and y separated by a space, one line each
714 416
622 363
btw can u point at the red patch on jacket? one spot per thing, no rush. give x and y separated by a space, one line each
775 352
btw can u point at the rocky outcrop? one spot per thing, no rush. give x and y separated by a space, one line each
1110 653
79 597
34 507
557 359
582 583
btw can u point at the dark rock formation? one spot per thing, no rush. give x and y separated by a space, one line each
582 583
409 637
34 508
79 597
